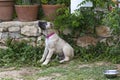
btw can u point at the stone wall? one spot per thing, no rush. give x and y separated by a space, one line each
20 31
30 32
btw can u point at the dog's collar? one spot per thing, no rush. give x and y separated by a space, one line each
49 35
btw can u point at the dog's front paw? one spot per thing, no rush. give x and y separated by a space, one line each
44 63
62 61
41 60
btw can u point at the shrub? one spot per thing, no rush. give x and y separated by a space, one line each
100 52
86 19
20 53
112 19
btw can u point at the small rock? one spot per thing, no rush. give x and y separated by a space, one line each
4 35
29 31
14 29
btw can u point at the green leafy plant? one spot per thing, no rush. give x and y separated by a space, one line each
27 2
24 2
65 2
48 1
82 20
19 53
100 52
85 19
113 21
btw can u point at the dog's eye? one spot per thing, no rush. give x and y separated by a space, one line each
51 24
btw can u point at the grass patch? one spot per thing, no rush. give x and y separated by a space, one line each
84 66
6 79
74 71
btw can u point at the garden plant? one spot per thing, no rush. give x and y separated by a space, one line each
82 22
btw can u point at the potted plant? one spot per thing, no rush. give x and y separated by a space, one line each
6 10
26 10
50 8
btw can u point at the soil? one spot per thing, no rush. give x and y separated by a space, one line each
17 74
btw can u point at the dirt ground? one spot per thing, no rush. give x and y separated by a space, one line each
17 74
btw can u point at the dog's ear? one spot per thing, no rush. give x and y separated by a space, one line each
39 23
42 25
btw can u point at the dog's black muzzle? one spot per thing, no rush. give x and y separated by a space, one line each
42 25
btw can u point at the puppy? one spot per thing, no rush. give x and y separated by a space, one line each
54 44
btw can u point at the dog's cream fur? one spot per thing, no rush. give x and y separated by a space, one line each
54 44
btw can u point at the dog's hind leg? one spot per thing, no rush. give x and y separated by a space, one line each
65 59
67 55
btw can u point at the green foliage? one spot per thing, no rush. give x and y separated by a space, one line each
65 19
44 1
78 71
23 2
112 19
83 20
20 53
95 53
26 2
65 2
6 79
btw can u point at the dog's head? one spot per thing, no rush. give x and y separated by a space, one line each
45 25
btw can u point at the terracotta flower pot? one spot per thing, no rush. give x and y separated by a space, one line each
50 11
115 1
27 12
6 9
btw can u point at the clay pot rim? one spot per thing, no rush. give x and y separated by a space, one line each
51 5
6 0
35 5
